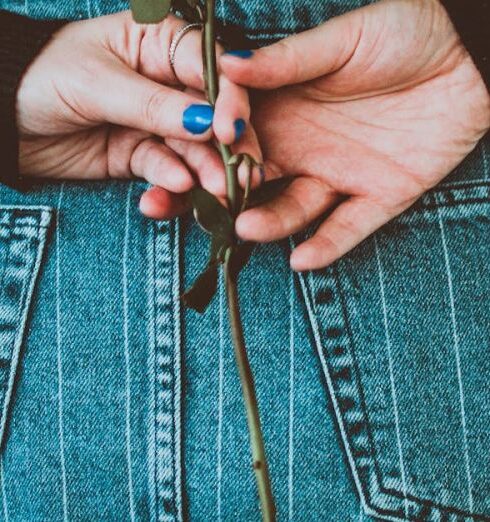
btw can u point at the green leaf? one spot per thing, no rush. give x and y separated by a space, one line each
240 257
219 244
211 214
268 191
150 11
202 291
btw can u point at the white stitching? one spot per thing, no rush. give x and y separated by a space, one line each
458 360
126 354
58 353
391 373
291 401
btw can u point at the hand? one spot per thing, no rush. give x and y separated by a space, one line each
380 105
100 97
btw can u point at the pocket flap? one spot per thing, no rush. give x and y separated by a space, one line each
23 232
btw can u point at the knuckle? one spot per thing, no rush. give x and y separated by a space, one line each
290 56
154 107
327 245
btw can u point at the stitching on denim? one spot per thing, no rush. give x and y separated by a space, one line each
361 458
291 424
454 324
2 489
152 475
451 510
391 373
177 368
22 281
125 306
22 218
167 373
59 362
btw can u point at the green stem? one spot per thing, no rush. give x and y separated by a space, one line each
248 389
213 91
246 377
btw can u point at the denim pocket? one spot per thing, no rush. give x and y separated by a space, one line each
402 329
23 232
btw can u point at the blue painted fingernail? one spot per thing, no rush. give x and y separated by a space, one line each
198 118
240 53
239 128
262 175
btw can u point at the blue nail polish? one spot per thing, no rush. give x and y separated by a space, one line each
239 128
198 118
262 175
241 53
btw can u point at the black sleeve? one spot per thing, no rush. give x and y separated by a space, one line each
21 39
472 21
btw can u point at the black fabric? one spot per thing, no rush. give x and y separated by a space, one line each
472 21
21 39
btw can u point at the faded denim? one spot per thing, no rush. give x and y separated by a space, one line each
372 375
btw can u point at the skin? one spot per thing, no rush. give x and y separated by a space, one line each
101 99
369 111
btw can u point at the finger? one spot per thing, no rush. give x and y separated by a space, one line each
249 144
353 221
204 161
302 201
232 112
158 203
121 143
296 59
159 165
155 59
124 97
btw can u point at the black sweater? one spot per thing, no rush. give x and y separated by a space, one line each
21 39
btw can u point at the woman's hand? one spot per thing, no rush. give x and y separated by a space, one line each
380 105
101 97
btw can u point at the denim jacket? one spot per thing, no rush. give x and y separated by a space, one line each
372 375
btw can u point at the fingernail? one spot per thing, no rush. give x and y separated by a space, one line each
198 118
239 128
240 53
262 175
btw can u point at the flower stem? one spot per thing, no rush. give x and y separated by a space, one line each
246 377
213 90
248 389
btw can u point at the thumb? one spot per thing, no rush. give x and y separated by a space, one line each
298 58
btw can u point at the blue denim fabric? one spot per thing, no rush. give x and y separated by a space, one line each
372 375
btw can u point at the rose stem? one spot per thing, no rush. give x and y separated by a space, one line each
246 377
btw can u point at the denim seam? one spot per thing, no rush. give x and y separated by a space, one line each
167 373
23 284
361 456
19 219
379 476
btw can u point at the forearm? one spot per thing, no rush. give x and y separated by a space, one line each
21 39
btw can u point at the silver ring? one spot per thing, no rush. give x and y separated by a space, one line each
175 42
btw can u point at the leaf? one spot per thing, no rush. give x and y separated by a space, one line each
219 244
202 291
150 11
211 214
241 256
268 191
